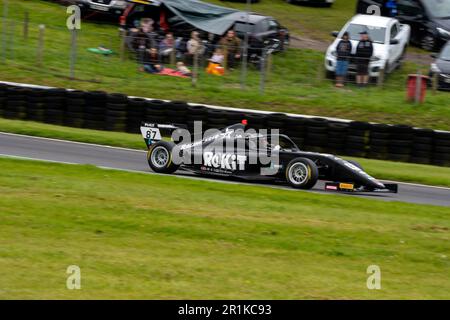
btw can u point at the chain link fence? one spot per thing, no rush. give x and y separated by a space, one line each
88 56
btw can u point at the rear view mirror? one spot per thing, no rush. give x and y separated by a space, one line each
335 34
394 41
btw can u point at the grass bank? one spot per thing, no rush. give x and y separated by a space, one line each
208 240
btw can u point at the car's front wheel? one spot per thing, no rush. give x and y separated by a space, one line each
159 157
302 173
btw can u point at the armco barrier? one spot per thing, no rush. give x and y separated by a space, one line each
117 112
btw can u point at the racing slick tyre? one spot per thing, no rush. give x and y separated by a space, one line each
159 157
302 173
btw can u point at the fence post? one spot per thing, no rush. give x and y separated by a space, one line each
11 38
263 72
40 52
195 71
418 86
225 58
26 22
269 64
173 57
73 52
380 81
320 71
5 29
122 45
435 82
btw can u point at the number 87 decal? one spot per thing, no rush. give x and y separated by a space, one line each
151 134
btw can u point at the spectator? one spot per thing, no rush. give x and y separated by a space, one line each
343 52
231 44
153 63
142 38
194 47
364 52
183 69
217 56
167 46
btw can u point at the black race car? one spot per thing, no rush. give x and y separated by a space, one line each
245 154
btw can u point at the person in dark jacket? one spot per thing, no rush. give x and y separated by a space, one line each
343 52
364 52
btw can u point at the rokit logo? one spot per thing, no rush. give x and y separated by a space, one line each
225 161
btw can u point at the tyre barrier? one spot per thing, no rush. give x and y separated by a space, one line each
117 112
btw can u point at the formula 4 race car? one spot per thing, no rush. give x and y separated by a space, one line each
245 154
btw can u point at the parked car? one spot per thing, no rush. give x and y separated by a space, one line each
390 41
322 3
440 68
111 7
429 19
262 30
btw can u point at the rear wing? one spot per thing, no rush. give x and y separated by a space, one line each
154 132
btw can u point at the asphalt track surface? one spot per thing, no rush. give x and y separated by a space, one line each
12 145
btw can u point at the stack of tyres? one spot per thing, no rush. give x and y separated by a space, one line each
55 105
441 150
3 98
337 137
16 102
116 112
36 105
217 119
256 121
156 112
233 117
277 121
380 135
95 110
177 111
135 114
422 146
197 113
316 135
295 128
400 143
358 137
75 109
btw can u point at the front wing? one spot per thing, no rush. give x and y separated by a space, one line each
350 187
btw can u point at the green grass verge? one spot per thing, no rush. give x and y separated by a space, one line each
406 172
295 83
208 240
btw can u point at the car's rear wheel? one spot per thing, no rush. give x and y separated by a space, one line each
159 157
302 173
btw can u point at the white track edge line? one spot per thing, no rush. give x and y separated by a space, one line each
72 142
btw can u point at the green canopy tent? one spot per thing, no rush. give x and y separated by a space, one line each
204 16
